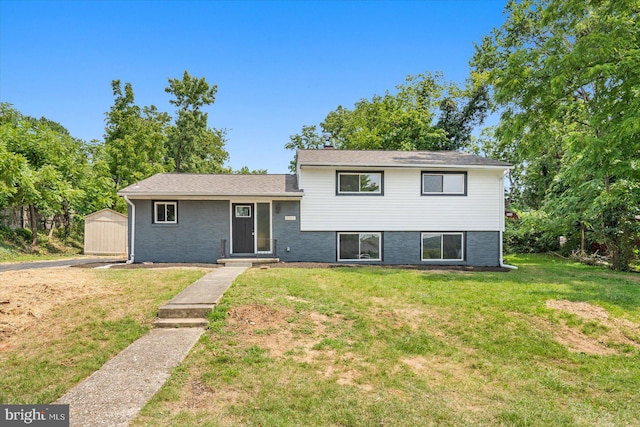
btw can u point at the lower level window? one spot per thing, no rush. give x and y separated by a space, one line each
359 246
442 247
165 212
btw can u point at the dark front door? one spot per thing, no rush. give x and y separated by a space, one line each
242 228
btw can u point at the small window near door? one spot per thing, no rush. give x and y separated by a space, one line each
243 211
165 212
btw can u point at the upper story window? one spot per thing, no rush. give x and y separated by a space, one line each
359 182
165 212
444 183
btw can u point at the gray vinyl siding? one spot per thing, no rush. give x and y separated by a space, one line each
197 236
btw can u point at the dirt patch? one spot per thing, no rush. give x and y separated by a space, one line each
124 266
28 296
435 369
200 396
613 333
287 333
440 268
307 265
584 310
282 331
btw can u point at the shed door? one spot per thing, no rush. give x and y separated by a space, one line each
243 228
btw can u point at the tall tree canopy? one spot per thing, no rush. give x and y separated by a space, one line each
566 76
426 113
41 166
192 145
135 138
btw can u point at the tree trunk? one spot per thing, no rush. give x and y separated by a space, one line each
53 226
34 225
66 220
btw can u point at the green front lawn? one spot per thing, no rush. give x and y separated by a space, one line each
553 343
64 324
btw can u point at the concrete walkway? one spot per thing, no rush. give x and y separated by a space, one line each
209 288
191 307
113 395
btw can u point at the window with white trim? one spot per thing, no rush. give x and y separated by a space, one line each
165 212
359 246
359 183
442 247
444 183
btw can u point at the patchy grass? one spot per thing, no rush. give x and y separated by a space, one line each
57 326
553 343
15 246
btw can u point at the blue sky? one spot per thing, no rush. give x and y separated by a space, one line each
278 64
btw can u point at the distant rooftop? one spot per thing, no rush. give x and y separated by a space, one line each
213 185
379 158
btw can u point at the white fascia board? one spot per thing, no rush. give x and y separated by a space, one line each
182 196
403 166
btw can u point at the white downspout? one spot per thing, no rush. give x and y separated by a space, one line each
502 264
132 252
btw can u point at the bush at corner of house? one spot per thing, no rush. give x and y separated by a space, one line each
529 234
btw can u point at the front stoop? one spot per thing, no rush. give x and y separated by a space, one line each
246 262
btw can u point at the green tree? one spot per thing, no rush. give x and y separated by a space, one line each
426 113
566 75
96 182
14 169
192 145
41 166
244 170
135 138
488 145
308 138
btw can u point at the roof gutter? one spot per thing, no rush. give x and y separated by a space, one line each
209 196
132 252
405 166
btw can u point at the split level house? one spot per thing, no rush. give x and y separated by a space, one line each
341 206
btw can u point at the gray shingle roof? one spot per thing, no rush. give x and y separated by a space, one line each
178 184
395 158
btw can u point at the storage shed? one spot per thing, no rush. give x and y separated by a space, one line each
105 233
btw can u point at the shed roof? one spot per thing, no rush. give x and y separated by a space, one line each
214 185
107 211
380 158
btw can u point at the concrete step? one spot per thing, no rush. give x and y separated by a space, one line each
246 262
181 323
238 264
184 311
